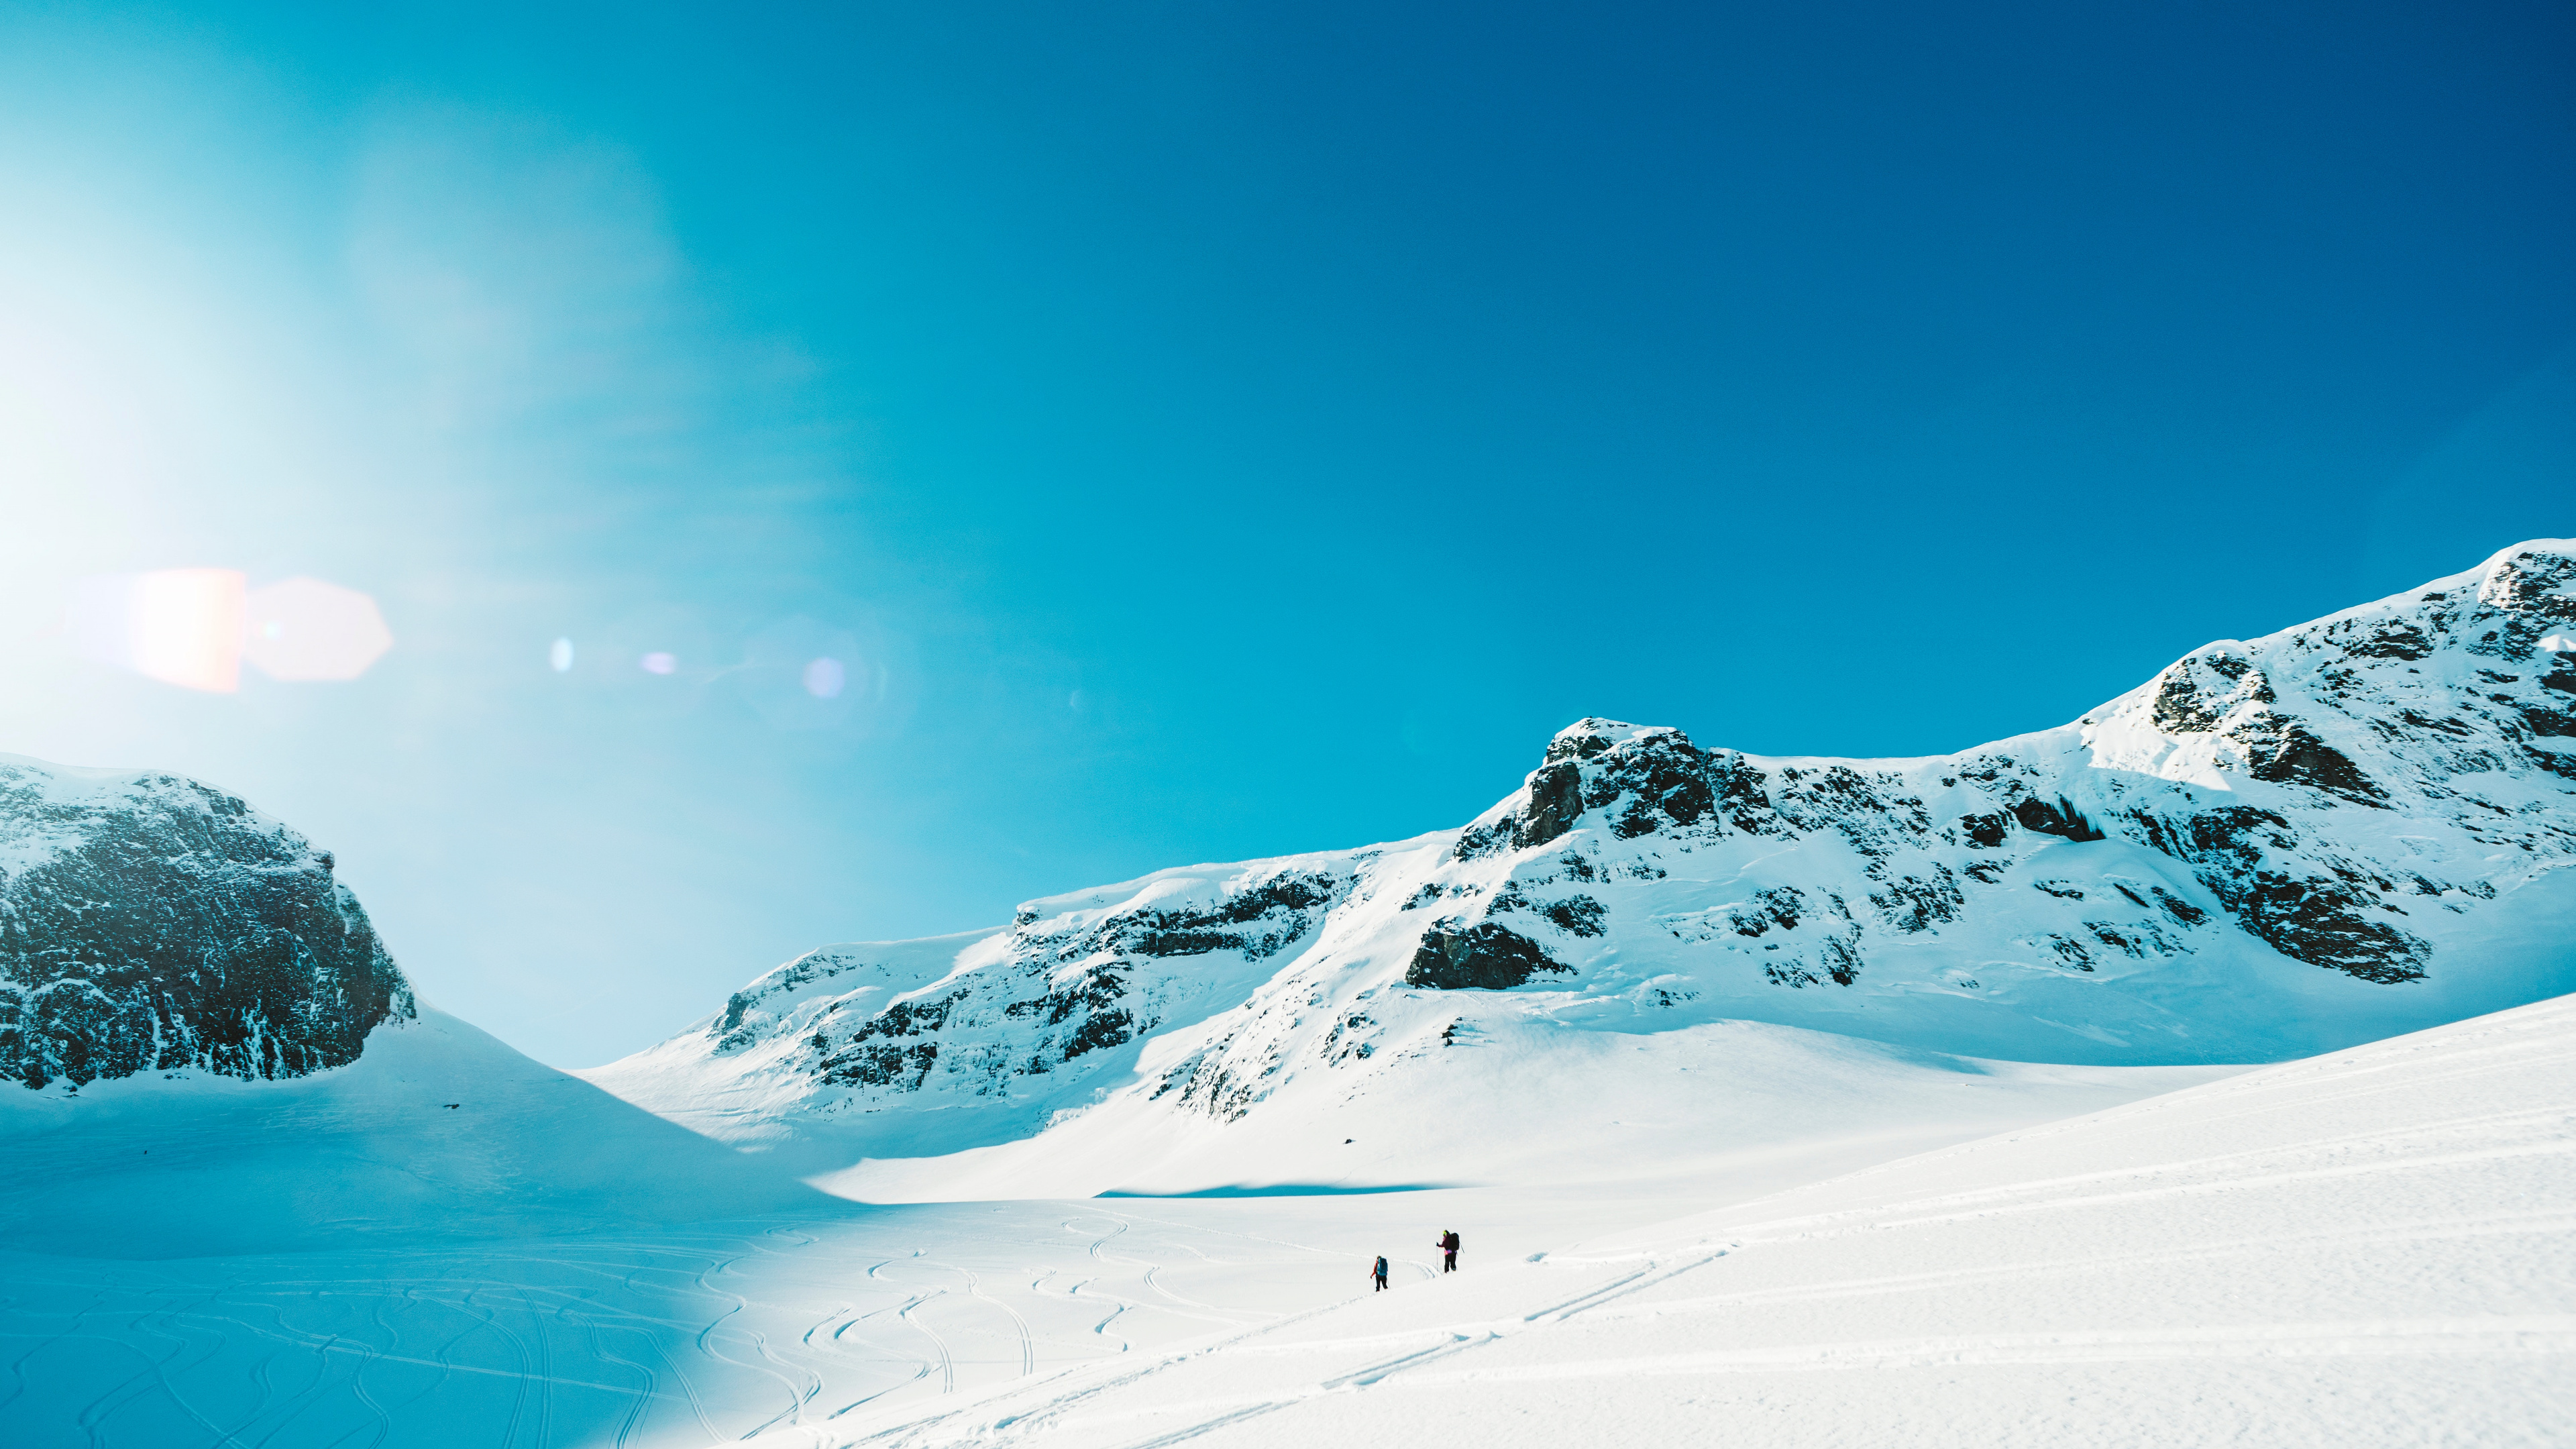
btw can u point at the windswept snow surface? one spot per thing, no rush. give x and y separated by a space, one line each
2372 1247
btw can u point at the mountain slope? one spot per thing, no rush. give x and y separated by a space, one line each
438 1132
2356 827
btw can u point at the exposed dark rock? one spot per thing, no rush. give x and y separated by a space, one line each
1107 1029
2110 935
1841 960
1576 915
2398 638
2233 837
1484 957
2061 819
1662 778
1256 921
1491 838
1792 974
1555 803
2562 673
2283 752
1869 811
1582 741
1741 794
2319 920
1095 990
1778 906
887 1049
878 1064
2316 919
2181 705
2194 694
163 925
1987 830
2181 910
1914 903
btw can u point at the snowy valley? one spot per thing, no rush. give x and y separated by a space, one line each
2200 1070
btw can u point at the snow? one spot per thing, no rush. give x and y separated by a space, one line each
2335 833
340 1255
1834 1102
195 1164
2373 1247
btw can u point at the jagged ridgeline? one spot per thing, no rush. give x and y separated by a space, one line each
150 923
2356 827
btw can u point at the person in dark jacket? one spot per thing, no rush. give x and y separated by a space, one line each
1379 1273
1448 1246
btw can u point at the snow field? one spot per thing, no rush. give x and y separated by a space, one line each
398 1325
1489 1089
690 1336
2374 1247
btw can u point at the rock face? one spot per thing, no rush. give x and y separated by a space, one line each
152 924
2359 826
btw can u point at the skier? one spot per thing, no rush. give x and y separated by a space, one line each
1448 1246
1379 1273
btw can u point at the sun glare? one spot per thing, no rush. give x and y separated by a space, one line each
194 627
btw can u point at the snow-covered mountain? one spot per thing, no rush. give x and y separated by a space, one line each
2349 829
149 923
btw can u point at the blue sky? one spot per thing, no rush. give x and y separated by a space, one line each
1213 431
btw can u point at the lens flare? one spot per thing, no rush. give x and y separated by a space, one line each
305 630
824 678
179 626
560 656
658 662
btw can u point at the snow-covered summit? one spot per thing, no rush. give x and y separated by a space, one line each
2344 830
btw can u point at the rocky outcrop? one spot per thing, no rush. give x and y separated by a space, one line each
1484 957
150 923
